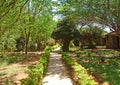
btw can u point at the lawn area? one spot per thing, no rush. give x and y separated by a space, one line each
105 66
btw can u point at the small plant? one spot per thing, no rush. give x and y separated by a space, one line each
89 55
6 59
55 46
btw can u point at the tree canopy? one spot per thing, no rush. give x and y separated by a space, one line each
90 35
65 32
31 19
105 12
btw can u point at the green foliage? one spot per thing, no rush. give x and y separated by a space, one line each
36 74
106 67
7 40
91 36
12 59
20 42
65 32
30 19
83 77
100 11
55 46
8 59
89 55
76 42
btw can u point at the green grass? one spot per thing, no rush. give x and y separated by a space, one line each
12 70
100 47
109 71
100 52
7 59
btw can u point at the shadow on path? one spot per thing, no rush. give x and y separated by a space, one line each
57 73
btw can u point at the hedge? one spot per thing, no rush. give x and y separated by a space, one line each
36 74
81 72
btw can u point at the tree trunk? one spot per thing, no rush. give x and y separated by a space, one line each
26 42
91 45
38 44
65 46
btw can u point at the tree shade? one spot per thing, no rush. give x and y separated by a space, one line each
106 12
65 32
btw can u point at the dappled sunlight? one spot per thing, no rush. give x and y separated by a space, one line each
57 49
14 73
57 73
55 54
17 71
57 80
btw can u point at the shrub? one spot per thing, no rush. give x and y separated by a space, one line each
55 46
83 77
36 74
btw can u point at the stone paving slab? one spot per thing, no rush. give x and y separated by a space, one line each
57 73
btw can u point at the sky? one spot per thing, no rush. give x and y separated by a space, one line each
57 17
54 0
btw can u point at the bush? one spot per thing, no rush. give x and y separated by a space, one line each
83 77
36 74
55 46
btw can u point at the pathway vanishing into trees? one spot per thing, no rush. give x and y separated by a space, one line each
57 72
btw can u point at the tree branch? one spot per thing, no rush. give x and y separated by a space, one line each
12 4
21 11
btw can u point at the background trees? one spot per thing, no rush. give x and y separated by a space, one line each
28 20
105 12
65 32
91 35
33 19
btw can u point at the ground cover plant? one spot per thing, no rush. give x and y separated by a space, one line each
81 72
107 68
8 59
99 52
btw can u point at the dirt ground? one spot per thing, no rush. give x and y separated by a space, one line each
12 74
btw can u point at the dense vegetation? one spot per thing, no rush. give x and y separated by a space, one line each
65 32
25 25
31 25
104 68
28 24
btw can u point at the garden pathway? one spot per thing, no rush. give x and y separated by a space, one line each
57 73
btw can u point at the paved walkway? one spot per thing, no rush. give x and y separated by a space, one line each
57 73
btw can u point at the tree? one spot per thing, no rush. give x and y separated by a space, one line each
105 12
65 32
90 35
30 19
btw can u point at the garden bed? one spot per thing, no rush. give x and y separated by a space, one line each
80 73
104 68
